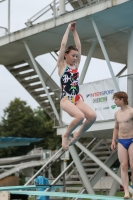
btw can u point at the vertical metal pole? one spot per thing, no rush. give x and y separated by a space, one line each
63 176
105 55
61 7
55 9
101 164
42 81
65 164
9 16
82 76
81 170
130 68
115 185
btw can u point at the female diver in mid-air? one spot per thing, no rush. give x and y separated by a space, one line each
71 101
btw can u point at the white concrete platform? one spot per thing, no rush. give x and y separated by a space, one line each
113 18
102 129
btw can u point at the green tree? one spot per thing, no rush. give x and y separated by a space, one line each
20 120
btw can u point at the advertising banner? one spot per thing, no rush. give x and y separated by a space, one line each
98 95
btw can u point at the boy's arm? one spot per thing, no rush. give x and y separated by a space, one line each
115 134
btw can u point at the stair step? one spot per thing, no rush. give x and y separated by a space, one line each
21 69
25 75
101 158
36 93
44 104
73 182
102 147
72 188
89 164
31 80
16 64
102 152
76 176
33 87
44 98
91 169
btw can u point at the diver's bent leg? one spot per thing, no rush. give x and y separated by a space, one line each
75 112
90 119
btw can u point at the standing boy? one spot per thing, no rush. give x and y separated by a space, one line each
123 133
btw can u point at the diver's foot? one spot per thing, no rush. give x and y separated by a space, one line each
75 138
65 143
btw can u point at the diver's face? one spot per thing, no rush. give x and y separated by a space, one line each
71 57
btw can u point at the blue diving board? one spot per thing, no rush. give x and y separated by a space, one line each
64 194
17 141
30 187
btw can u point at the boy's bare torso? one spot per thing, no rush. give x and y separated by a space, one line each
125 123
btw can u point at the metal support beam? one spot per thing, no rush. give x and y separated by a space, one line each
70 165
42 81
81 170
130 68
124 68
80 3
61 7
115 185
101 164
105 54
55 11
87 62
9 16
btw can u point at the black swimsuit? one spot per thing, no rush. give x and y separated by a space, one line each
70 84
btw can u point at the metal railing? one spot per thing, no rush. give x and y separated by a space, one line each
2 1
48 164
55 157
54 6
7 30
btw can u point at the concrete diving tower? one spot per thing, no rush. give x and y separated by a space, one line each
104 27
105 30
